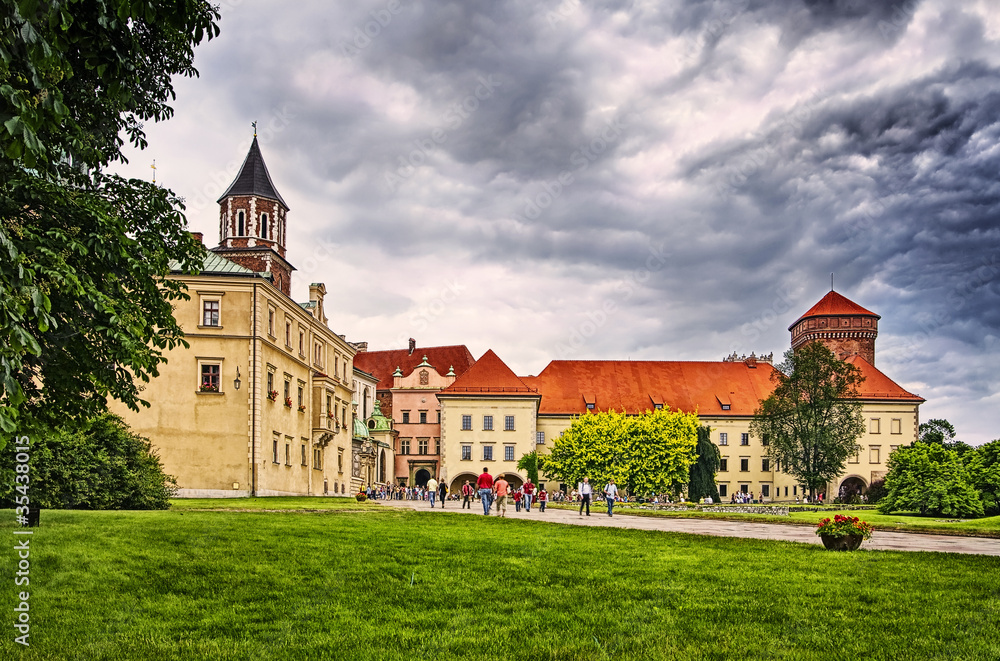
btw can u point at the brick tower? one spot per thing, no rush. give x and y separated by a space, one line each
253 222
846 328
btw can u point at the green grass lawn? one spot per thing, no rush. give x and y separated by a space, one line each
898 522
278 503
396 584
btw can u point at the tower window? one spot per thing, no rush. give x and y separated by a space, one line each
240 223
263 225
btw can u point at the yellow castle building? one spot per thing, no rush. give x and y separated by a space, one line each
263 401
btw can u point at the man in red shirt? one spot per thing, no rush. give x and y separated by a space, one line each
529 494
543 497
485 484
466 495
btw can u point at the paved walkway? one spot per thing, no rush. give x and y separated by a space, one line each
880 541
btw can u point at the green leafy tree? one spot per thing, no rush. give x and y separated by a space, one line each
984 471
813 418
529 463
648 453
942 432
931 479
703 471
84 309
97 466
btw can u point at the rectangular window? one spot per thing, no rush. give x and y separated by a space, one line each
765 489
288 334
423 417
487 423
466 423
508 423
874 426
406 417
896 426
404 446
466 453
487 453
210 313
210 378
723 438
765 440
302 343
856 459
274 451
300 396
288 454
422 444
539 437
288 390
795 491
765 464
437 446
874 452
270 322
744 439
786 491
317 459
745 464
723 490
439 416
304 462
745 488
724 464
508 453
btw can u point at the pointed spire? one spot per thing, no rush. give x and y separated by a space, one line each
254 178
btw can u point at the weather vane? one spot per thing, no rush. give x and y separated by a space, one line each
154 170
254 124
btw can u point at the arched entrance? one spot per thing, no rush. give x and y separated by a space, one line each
422 477
852 485
457 484
513 479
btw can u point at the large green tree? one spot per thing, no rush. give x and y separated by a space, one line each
942 432
645 454
704 470
812 420
984 472
931 479
84 308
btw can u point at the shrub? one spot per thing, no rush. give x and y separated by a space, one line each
103 465
876 491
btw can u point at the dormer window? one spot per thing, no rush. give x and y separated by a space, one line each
263 225
240 224
724 402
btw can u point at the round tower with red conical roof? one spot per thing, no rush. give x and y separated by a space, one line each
846 328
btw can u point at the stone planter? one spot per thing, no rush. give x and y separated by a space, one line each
361 497
842 542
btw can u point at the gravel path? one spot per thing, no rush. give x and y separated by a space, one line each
880 541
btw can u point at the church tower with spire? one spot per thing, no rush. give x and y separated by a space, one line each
253 221
846 328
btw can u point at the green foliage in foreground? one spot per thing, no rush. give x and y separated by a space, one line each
931 479
392 584
102 465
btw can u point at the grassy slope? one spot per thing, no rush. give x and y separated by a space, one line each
389 584
900 521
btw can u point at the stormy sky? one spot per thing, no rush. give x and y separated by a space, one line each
657 180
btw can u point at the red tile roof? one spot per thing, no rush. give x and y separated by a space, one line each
833 304
383 363
635 386
489 376
877 385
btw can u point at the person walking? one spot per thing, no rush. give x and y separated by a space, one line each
432 486
516 496
443 493
529 494
485 484
466 494
586 491
610 493
502 488
543 497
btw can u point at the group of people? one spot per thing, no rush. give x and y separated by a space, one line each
496 492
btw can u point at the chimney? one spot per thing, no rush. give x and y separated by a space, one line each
199 237
413 346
